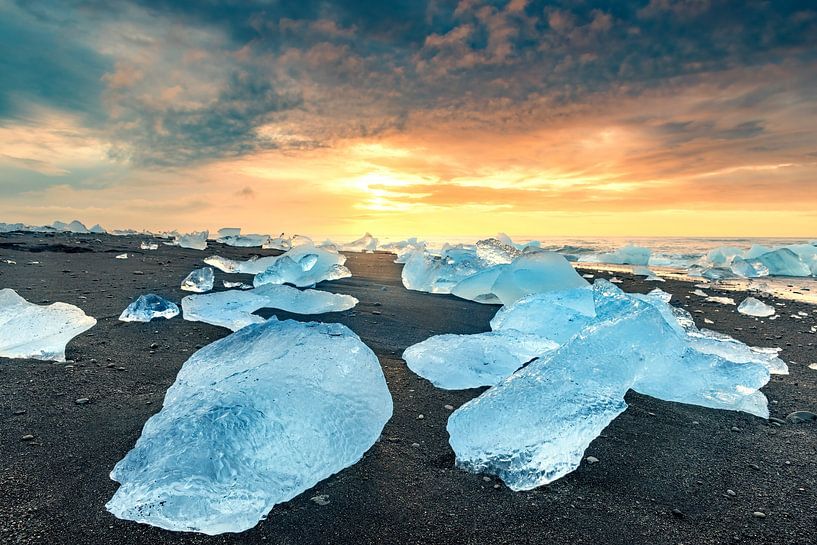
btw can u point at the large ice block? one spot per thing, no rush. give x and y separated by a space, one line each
455 362
535 272
38 332
253 420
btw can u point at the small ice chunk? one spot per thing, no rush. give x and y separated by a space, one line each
148 307
650 276
146 245
718 274
199 280
366 243
455 362
495 252
122 256
253 420
699 293
754 307
38 332
196 240
628 255
240 285
721 300
302 266
97 229
616 280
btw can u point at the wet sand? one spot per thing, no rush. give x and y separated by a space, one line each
655 458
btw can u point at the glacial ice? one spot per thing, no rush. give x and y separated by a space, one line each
240 285
628 255
493 251
38 332
234 309
455 362
253 420
196 240
478 286
780 262
231 236
723 255
555 315
302 266
145 245
303 301
97 229
755 307
122 256
148 307
199 280
535 272
366 243
533 427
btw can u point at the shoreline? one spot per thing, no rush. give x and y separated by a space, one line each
655 458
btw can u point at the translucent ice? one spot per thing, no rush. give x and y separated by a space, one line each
38 332
145 245
628 255
231 236
232 309
302 266
754 307
780 262
366 243
196 240
121 256
495 252
199 280
534 426
148 307
535 272
425 271
240 285
478 286
723 255
554 315
253 420
303 301
454 362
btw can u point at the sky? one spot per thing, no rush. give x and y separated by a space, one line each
412 117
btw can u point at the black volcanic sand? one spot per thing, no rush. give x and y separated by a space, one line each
662 476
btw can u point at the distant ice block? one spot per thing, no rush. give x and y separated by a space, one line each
718 274
628 255
723 255
97 229
533 427
721 300
366 243
455 362
145 245
650 276
196 240
253 420
535 272
780 262
749 268
148 307
754 307
77 226
232 309
38 332
278 243
122 256
231 236
199 280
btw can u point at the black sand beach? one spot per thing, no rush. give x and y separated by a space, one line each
662 477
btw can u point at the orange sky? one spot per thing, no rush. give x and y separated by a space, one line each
719 149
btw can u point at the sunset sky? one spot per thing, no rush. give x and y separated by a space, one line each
412 117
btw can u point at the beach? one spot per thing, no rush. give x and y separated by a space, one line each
664 472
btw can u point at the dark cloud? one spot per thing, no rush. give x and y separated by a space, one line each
174 83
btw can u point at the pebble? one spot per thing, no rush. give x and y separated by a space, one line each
321 499
82 401
420 417
486 479
28 437
154 345
415 445
759 515
799 417
776 420
735 428
18 412
592 460
730 492
449 407
677 513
